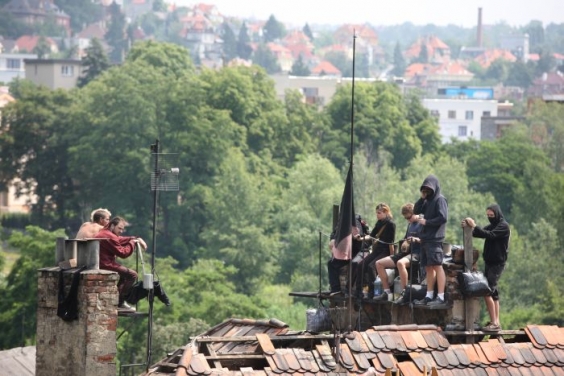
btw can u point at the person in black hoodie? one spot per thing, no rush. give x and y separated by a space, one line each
496 245
432 209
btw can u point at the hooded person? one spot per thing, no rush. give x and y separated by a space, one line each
432 208
496 246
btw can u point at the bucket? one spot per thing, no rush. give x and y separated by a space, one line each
147 281
447 249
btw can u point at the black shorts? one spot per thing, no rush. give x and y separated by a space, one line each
399 256
493 274
431 253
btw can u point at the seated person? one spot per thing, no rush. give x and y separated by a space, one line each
113 245
98 219
410 250
335 264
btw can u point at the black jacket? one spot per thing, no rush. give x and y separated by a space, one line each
435 209
497 237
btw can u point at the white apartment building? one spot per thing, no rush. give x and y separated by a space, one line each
460 118
13 66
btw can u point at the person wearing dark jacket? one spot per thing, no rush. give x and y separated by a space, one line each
382 239
432 209
496 245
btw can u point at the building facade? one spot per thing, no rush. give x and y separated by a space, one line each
54 73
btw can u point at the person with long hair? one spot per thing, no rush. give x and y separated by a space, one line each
382 239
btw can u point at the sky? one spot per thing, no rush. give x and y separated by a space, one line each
377 12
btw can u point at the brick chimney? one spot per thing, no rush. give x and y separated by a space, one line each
86 346
479 29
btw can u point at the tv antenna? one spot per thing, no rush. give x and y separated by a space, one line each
164 177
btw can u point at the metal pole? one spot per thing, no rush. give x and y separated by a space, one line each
151 296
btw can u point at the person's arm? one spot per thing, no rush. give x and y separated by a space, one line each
442 214
498 232
418 206
121 247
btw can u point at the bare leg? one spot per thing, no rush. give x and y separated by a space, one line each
381 266
402 265
430 279
490 305
441 278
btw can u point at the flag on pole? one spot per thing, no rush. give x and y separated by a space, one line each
342 247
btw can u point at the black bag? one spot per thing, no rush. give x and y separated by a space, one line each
412 293
473 284
67 307
136 293
318 320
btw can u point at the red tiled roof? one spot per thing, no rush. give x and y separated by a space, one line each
28 42
489 56
432 43
366 33
94 30
326 68
249 347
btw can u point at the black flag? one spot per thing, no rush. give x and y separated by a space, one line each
342 248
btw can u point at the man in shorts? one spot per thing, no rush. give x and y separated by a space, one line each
433 206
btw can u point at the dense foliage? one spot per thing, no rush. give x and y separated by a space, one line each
258 179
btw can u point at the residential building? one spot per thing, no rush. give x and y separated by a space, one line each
28 43
53 73
460 118
438 52
551 83
517 44
33 12
12 66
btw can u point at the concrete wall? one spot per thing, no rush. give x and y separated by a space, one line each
86 346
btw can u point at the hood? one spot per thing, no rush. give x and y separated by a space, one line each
498 213
432 182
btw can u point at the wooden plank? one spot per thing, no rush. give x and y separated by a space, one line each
265 343
468 260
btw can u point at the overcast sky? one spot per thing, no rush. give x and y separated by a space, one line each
393 12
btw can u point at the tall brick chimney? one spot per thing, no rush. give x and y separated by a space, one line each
86 346
479 28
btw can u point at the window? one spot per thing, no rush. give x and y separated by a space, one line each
435 114
487 113
13 63
462 130
67 70
451 114
469 115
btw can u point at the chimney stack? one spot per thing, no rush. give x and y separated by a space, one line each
479 31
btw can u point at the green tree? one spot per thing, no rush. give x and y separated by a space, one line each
307 31
264 57
498 70
399 62
170 59
81 12
380 123
545 64
519 75
423 54
273 30
94 63
116 36
229 42
340 61
299 68
244 50
19 292
42 49
34 151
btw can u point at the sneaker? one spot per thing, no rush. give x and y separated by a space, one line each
423 301
382 297
401 298
126 307
491 328
435 302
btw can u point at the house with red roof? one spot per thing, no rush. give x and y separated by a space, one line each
325 68
34 12
27 43
489 56
549 84
283 56
437 51
298 44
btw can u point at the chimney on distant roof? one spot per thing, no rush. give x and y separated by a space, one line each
479 31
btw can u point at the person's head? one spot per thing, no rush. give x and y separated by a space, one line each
407 212
430 187
494 214
101 216
117 225
383 211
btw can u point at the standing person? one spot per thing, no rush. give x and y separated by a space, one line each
496 245
433 208
410 250
98 219
113 245
335 264
382 237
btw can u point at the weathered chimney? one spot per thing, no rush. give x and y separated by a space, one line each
86 346
479 31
